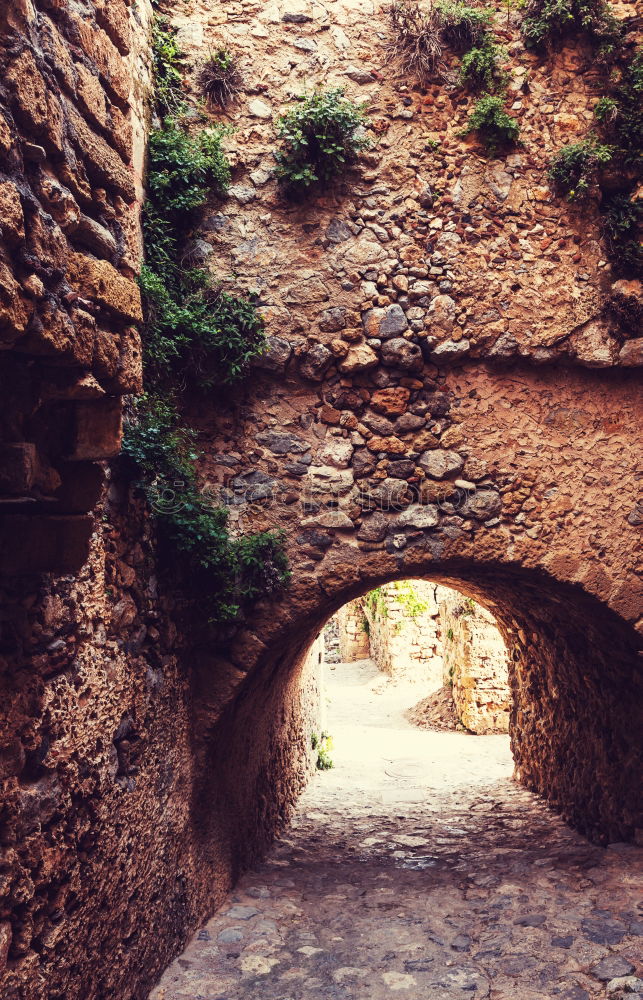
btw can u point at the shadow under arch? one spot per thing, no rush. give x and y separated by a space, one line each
576 722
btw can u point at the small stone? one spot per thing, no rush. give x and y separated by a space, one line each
359 358
258 109
483 505
625 985
391 402
230 936
439 464
401 353
419 516
241 912
314 362
612 967
374 528
392 323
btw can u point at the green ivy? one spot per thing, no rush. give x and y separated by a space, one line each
201 331
463 26
321 137
323 745
413 604
167 64
184 169
226 573
198 334
492 123
622 219
549 21
480 69
574 169
620 114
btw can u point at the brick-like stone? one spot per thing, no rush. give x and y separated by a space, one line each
98 429
34 102
17 468
103 163
11 215
113 16
99 281
40 544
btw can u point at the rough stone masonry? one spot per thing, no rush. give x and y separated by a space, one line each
449 393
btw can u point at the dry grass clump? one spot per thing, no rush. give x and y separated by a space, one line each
421 33
417 38
219 78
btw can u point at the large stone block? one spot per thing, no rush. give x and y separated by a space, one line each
39 544
113 16
98 429
34 103
99 281
14 308
11 216
17 468
103 163
104 55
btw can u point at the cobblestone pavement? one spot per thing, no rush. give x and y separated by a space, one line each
418 867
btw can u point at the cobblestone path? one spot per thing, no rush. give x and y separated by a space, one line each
418 867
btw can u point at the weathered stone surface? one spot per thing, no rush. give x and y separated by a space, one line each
359 358
98 280
440 464
391 402
631 353
401 353
336 451
276 355
419 516
483 505
314 362
98 429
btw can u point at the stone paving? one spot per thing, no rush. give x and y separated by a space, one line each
417 866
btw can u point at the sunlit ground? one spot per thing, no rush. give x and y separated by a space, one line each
384 755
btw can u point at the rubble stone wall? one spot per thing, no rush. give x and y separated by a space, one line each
404 632
353 635
144 760
475 664
73 80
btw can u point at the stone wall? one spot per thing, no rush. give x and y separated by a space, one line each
72 110
475 664
404 633
353 634
146 760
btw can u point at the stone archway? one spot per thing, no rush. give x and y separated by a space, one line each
573 662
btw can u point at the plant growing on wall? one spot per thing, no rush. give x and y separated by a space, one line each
323 745
416 38
195 333
494 126
167 66
227 573
219 78
609 170
574 169
321 137
549 21
413 604
421 34
481 66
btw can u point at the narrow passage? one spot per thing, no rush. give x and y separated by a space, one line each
416 866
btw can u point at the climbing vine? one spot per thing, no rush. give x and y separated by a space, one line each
605 167
195 335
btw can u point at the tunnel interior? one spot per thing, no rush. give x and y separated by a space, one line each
574 681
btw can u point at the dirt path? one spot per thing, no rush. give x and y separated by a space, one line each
416 866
